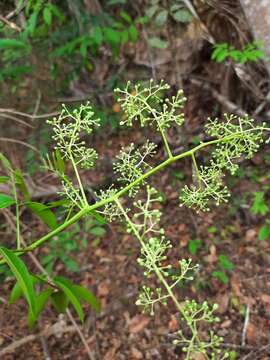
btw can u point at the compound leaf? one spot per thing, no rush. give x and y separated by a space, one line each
67 287
22 275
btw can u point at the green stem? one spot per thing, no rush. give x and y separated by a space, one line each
17 210
166 144
84 202
198 175
160 276
88 208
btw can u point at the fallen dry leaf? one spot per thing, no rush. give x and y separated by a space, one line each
251 235
103 288
173 324
223 302
138 323
136 354
265 298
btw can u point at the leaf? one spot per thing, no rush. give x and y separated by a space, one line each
161 18
56 12
157 43
22 275
67 287
98 231
99 218
17 291
19 180
150 12
115 2
225 263
47 15
31 24
126 17
183 16
112 36
193 246
60 301
43 212
6 201
133 33
97 35
221 276
87 296
4 179
12 44
264 233
41 300
71 264
5 162
124 36
259 205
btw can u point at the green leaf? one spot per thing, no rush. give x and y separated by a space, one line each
47 15
193 246
60 301
31 24
264 232
15 294
157 43
161 18
17 291
98 231
124 36
6 201
4 179
115 2
19 180
97 35
87 296
98 217
225 263
126 17
259 205
41 300
12 44
71 264
112 36
22 275
67 287
56 12
133 33
43 212
150 12
6 163
183 16
221 276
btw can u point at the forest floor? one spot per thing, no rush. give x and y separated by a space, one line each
109 267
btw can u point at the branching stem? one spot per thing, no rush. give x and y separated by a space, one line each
88 208
161 277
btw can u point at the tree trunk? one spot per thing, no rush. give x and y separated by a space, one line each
258 16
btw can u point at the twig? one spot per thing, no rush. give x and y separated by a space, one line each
246 322
31 116
36 105
6 116
21 143
55 329
89 353
11 24
220 98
